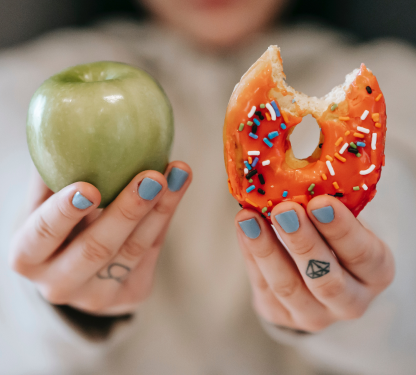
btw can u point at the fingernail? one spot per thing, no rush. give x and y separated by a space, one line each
176 179
288 221
149 188
79 201
324 215
250 228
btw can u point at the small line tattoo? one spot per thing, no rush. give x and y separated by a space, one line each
115 271
317 268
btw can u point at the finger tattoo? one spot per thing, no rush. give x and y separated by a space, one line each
115 271
317 268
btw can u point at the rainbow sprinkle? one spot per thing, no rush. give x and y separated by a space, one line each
271 112
273 134
276 109
250 189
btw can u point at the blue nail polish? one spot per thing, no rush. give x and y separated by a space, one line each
149 188
250 228
324 215
176 179
79 201
288 221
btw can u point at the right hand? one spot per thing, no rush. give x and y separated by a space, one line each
98 261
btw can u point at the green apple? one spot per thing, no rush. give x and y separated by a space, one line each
101 123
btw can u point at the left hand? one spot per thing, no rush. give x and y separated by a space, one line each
334 269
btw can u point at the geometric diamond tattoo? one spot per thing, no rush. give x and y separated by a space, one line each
317 268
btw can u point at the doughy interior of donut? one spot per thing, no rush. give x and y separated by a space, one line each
299 104
305 104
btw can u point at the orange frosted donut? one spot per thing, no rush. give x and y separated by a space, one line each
262 113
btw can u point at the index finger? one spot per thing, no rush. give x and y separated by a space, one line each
50 224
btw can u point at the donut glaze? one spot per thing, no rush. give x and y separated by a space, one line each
286 178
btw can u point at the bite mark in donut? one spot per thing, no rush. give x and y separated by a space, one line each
347 160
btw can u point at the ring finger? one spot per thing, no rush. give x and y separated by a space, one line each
318 266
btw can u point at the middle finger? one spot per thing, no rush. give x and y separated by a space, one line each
257 240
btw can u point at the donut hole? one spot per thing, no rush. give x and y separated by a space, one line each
303 143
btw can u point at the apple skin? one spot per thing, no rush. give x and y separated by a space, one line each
101 123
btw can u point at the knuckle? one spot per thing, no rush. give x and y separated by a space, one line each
316 325
364 254
270 313
15 260
145 293
132 249
284 290
340 234
354 313
261 284
379 259
332 288
387 277
163 208
130 212
159 240
93 306
386 267
16 264
65 210
302 245
44 229
95 251
54 295
262 252
95 303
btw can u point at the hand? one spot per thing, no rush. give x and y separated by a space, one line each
98 261
334 268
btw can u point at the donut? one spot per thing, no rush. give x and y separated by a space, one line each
261 115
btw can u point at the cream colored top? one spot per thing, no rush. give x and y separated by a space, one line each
198 319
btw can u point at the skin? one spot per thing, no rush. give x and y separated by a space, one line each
62 249
216 24
283 294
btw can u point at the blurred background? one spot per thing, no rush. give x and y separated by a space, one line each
21 20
